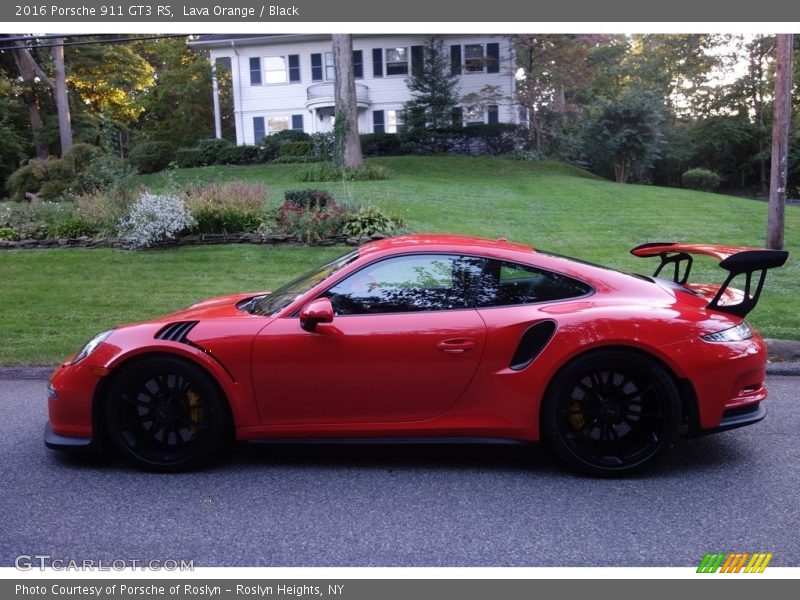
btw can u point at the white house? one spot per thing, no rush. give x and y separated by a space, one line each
286 81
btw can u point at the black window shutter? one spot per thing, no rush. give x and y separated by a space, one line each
493 58
297 122
294 68
358 64
377 62
378 125
492 114
417 59
458 116
455 59
316 67
255 71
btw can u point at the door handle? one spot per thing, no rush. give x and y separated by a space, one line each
456 345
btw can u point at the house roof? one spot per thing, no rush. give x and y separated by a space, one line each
220 40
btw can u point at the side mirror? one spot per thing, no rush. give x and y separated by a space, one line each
315 312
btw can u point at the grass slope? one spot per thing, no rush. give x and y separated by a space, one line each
53 300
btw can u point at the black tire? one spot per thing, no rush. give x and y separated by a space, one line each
611 412
165 414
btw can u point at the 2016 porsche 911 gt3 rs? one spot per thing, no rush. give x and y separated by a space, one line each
434 337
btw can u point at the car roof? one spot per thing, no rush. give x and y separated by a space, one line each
443 243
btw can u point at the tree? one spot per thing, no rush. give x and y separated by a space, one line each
62 101
178 109
625 135
552 69
110 80
32 79
433 89
348 143
781 116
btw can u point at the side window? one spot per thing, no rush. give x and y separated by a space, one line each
509 284
408 284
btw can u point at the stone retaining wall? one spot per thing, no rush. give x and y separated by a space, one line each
186 240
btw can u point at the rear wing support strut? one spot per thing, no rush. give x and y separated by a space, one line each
736 260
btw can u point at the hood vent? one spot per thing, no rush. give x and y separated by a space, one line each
176 332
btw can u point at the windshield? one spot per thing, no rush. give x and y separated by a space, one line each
284 296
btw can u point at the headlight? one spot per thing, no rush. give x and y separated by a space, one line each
91 345
735 334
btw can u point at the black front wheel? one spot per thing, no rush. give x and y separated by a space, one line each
611 412
165 414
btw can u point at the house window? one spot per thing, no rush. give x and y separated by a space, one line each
259 132
492 114
294 68
397 61
330 70
473 115
378 123
276 124
255 71
297 122
358 64
275 70
473 58
394 119
478 58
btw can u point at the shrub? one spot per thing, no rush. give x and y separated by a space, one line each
308 198
380 144
322 145
211 150
226 208
293 160
80 156
525 155
493 138
311 224
8 234
49 178
105 209
33 220
188 158
239 155
72 226
295 148
328 172
104 173
289 135
155 218
700 179
369 220
151 157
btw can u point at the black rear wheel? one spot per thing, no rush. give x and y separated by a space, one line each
611 412
166 414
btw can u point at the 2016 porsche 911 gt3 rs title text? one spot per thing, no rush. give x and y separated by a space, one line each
434 337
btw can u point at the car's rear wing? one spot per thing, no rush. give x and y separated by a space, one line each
737 260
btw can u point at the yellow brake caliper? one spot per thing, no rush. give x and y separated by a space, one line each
576 418
196 413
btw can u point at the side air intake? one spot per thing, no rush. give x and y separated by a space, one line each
176 332
532 343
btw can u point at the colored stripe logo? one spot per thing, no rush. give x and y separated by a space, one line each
735 562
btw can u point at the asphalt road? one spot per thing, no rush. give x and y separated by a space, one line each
404 506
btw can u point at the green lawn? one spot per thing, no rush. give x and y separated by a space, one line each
53 300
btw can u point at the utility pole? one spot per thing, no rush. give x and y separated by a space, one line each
781 114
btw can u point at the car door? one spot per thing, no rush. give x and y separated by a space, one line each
403 346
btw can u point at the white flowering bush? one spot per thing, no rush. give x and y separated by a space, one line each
155 218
